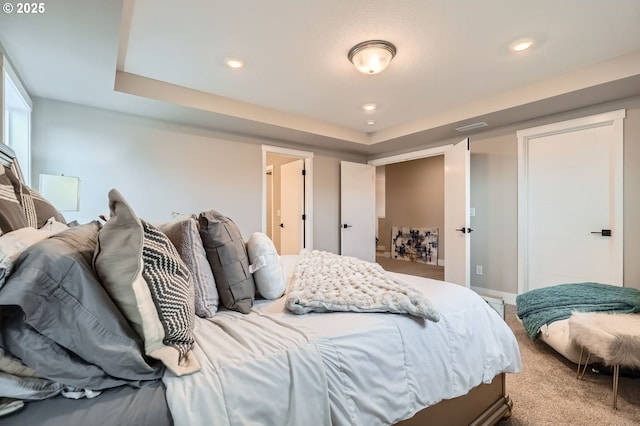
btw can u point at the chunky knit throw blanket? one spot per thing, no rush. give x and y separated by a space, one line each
324 282
546 305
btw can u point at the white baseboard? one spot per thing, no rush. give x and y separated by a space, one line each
440 262
509 298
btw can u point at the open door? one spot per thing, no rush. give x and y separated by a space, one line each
358 210
457 248
292 207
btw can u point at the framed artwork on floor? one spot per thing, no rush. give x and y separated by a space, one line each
415 244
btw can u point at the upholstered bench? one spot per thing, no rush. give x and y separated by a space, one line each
614 338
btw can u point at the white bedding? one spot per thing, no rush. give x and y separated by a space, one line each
373 368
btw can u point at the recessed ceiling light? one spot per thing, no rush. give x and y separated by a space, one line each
234 63
371 122
369 107
521 45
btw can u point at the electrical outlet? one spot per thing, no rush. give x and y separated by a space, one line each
478 269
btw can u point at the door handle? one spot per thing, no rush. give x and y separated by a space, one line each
465 230
345 226
604 232
282 225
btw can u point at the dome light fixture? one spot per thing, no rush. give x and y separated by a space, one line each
372 56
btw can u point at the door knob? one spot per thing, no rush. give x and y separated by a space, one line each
345 226
282 225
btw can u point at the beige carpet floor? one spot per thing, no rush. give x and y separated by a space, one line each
547 392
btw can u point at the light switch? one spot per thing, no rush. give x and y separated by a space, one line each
472 211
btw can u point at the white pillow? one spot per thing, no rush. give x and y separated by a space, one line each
15 242
268 273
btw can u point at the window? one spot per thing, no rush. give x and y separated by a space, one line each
16 119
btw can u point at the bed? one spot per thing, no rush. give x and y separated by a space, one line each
254 363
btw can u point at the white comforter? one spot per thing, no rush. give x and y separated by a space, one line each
342 368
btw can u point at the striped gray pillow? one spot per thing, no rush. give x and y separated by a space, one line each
146 278
185 236
12 216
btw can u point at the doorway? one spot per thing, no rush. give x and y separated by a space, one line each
448 184
287 198
570 202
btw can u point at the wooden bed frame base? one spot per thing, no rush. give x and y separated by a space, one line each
486 404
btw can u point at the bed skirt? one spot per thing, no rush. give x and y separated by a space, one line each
486 404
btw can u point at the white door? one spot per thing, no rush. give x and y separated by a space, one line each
457 244
291 207
571 208
358 210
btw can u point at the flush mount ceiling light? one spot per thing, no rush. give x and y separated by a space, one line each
373 56
234 63
369 107
521 45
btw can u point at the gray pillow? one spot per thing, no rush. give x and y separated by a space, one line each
227 255
185 236
144 275
59 321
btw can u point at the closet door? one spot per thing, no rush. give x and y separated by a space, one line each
358 210
570 202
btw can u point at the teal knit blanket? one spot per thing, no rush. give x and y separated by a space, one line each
546 305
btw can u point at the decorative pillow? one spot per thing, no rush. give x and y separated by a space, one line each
36 208
268 273
185 236
227 255
12 216
143 273
60 322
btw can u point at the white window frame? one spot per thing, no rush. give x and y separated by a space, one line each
16 118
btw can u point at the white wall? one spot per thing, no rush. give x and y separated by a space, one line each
494 195
163 167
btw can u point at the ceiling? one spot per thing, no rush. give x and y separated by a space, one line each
165 59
